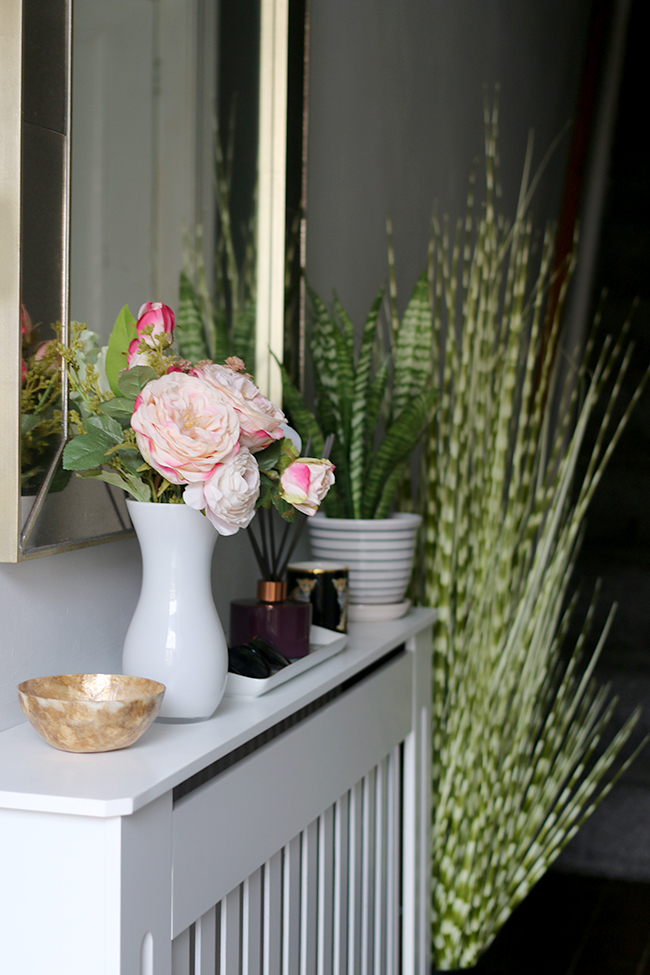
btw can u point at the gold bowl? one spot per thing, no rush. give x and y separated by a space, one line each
90 712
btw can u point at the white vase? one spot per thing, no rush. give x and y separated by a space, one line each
378 552
175 636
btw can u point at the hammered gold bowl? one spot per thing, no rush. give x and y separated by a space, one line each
90 712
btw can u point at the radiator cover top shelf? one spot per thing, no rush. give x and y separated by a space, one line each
36 777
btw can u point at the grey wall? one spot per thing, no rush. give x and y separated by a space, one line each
396 119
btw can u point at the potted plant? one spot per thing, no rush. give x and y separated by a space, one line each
518 758
376 406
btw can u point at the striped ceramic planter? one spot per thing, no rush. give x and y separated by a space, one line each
378 552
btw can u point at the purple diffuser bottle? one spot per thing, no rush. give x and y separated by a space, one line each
284 622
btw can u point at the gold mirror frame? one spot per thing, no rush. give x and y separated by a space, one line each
270 251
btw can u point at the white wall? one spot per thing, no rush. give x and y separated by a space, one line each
69 613
396 119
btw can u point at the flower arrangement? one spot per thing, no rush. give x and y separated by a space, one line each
40 409
167 431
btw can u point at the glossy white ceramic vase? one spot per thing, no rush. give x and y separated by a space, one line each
176 636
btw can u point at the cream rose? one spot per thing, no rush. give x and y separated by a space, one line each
184 427
229 494
259 419
305 483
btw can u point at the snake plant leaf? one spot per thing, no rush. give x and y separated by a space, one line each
323 349
347 325
301 416
243 334
122 334
360 421
376 395
398 444
390 489
219 337
412 354
344 385
190 331
328 417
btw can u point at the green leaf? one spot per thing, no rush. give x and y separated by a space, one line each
132 381
302 418
346 324
396 447
119 406
123 446
413 365
359 413
376 392
220 336
267 487
268 458
323 349
107 425
287 510
28 421
327 415
86 450
132 460
190 330
344 386
243 335
133 485
124 331
389 490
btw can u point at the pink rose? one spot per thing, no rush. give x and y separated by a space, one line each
229 494
184 428
305 483
43 350
133 356
25 322
156 314
259 419
161 319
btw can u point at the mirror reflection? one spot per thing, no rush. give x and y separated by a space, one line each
160 145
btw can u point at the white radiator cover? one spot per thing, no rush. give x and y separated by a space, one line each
286 836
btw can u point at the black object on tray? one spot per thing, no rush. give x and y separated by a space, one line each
258 658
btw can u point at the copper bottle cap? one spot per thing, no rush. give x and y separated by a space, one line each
271 592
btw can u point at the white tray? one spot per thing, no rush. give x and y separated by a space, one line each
323 644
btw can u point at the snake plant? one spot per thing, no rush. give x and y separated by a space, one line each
377 415
217 319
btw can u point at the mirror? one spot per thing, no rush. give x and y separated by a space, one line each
117 147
